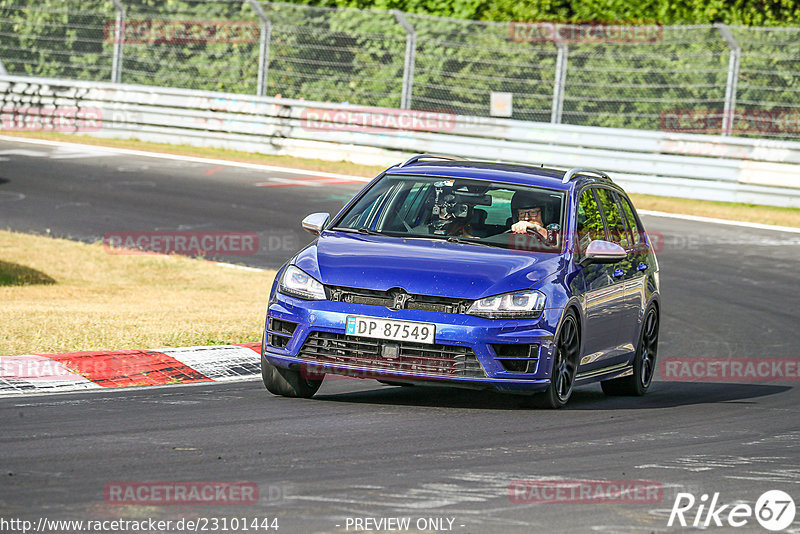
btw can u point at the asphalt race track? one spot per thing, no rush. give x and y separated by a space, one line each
85 193
360 449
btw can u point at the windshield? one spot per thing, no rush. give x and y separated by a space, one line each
455 209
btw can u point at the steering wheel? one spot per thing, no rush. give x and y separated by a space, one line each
531 232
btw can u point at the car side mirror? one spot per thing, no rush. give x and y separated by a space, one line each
315 222
600 251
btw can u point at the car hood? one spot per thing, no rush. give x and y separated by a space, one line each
423 266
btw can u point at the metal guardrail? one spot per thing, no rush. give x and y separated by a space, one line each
682 165
711 78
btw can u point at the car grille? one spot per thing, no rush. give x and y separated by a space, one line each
372 297
421 358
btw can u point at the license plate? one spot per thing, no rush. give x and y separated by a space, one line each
390 329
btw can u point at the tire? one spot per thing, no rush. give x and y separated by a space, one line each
644 362
565 366
287 382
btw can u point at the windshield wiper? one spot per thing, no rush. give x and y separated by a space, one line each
455 239
452 239
363 230
367 231
355 230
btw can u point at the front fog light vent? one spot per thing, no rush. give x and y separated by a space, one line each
280 332
279 342
517 358
281 327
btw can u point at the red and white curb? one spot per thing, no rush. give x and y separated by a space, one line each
77 371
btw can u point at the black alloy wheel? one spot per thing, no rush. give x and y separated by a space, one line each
644 362
565 365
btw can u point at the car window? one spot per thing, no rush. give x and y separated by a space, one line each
627 210
404 207
412 200
367 208
500 210
439 207
617 231
589 222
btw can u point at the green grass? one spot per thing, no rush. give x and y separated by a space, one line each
13 274
62 296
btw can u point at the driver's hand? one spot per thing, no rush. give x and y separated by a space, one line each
522 227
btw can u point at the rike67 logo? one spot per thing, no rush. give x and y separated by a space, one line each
774 510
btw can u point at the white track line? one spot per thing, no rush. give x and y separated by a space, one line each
697 218
193 159
289 170
240 267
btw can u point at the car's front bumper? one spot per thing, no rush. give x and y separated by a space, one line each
462 333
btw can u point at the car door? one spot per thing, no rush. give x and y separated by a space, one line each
624 271
604 294
636 278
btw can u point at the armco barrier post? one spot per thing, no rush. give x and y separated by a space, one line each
119 39
560 80
733 78
408 66
263 47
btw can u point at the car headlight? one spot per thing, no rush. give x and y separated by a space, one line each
519 304
297 283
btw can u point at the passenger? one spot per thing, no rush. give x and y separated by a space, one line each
454 226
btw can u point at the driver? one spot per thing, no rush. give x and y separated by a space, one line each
526 210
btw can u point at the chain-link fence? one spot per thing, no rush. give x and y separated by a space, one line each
705 79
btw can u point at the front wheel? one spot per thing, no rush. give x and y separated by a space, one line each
644 362
565 366
287 382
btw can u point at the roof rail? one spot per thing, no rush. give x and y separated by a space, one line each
418 157
570 174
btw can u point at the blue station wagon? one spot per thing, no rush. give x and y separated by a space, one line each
471 274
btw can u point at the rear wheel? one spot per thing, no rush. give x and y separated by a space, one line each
287 382
565 366
644 362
